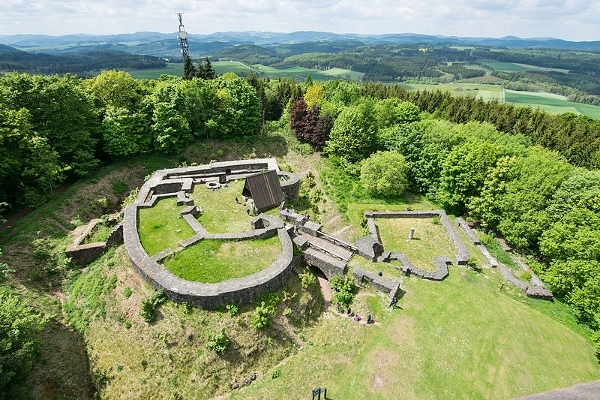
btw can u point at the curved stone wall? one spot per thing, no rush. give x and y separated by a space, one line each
206 295
177 182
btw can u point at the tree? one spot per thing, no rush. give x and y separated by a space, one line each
209 71
354 133
115 89
531 183
463 174
308 125
238 110
19 344
61 112
29 169
170 128
189 71
125 133
383 174
394 111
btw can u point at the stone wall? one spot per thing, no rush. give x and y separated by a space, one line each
291 185
208 296
86 253
462 254
327 264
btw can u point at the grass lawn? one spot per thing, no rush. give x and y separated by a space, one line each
212 261
220 213
429 240
375 267
460 338
161 226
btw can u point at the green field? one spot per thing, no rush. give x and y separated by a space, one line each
551 103
516 67
478 90
170 69
297 73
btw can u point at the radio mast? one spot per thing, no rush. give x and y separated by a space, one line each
182 36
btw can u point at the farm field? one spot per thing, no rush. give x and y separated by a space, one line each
170 69
298 73
517 67
551 103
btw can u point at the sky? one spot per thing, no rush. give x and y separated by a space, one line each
577 20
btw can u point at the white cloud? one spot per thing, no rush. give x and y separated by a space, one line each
567 19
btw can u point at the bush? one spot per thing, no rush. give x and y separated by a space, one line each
343 290
218 341
307 279
149 305
19 327
232 309
261 317
383 174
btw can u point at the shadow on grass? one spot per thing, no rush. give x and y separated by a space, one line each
63 368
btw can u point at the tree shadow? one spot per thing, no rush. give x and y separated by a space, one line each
62 369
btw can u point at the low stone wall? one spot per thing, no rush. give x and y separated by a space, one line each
86 253
467 230
509 277
208 296
392 287
536 287
462 254
441 266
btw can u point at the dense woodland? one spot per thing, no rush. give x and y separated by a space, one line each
525 175
81 63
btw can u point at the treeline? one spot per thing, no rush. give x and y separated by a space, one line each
77 63
53 128
508 185
575 137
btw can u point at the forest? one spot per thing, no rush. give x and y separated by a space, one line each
517 173
83 63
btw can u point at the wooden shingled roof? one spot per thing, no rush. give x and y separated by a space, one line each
264 188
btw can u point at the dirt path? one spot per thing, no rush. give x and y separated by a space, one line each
326 290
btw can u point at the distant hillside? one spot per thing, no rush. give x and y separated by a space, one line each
79 63
165 44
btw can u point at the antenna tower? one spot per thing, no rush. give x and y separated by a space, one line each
182 36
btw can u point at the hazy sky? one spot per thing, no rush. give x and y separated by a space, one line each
566 19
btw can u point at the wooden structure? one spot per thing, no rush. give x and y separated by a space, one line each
264 188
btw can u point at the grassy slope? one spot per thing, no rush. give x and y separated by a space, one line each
458 336
461 338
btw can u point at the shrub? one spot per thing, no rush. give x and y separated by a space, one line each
343 290
232 309
127 292
261 317
307 279
384 174
276 373
149 305
218 341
